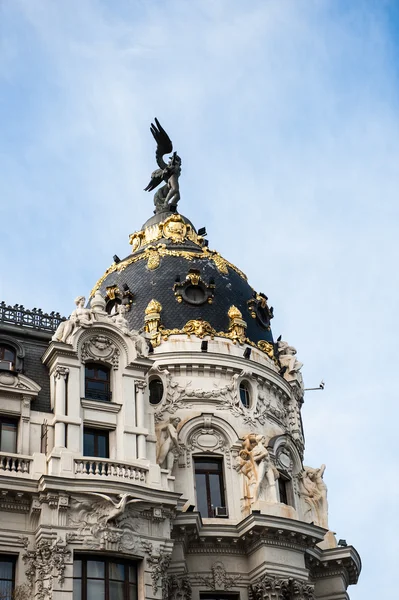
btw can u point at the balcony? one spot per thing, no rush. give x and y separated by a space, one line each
15 464
109 469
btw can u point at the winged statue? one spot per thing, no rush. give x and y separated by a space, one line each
167 197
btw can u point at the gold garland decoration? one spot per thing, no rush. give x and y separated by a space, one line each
153 256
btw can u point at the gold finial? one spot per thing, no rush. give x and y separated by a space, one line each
153 307
234 313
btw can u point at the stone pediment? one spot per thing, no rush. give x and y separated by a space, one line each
18 383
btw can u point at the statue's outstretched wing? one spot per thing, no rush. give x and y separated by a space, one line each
164 143
156 179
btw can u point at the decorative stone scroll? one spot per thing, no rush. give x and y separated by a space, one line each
102 349
158 560
269 587
219 579
176 587
46 561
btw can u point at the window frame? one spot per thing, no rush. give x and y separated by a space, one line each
90 395
9 558
158 380
4 346
97 432
10 421
216 460
107 560
285 480
245 386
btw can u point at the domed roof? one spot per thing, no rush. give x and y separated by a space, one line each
171 264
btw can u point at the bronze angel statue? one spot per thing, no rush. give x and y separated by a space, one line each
167 197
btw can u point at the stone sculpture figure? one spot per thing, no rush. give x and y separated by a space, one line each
314 492
290 366
80 317
121 322
167 197
167 441
254 463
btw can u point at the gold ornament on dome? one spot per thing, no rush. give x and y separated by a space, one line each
267 348
234 313
199 328
238 326
149 253
112 291
175 229
154 259
135 240
153 307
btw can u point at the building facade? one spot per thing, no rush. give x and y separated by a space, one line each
151 446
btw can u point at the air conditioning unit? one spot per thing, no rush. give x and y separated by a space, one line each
221 511
6 365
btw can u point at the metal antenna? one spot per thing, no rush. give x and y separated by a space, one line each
321 387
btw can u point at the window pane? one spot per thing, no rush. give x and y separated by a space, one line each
132 592
95 589
77 589
96 386
116 590
95 568
6 590
200 484
9 355
6 569
102 445
132 574
77 568
9 437
214 485
117 571
102 374
88 444
207 465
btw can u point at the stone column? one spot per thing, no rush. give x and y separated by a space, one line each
61 374
140 416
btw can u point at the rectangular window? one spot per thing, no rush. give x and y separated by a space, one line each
216 596
7 577
97 578
8 435
209 485
95 442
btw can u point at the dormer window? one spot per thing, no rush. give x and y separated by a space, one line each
97 382
7 357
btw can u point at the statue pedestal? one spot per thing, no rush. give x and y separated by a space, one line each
328 542
276 509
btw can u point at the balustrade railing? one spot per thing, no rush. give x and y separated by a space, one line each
87 467
14 464
35 318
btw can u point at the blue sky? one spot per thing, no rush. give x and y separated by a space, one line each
285 113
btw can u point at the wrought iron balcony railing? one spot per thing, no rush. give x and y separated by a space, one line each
34 319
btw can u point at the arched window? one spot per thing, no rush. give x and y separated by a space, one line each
156 390
245 394
97 382
7 357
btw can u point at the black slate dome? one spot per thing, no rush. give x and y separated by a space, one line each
171 263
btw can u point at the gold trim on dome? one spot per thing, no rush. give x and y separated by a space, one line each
153 307
234 313
149 254
267 348
111 291
174 228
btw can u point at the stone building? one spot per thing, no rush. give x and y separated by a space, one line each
151 446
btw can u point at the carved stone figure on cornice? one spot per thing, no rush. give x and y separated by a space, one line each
220 580
176 587
269 587
314 492
121 322
167 442
100 348
44 562
254 462
60 371
80 317
290 366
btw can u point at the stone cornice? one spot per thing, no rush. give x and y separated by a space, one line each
341 560
50 483
245 536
